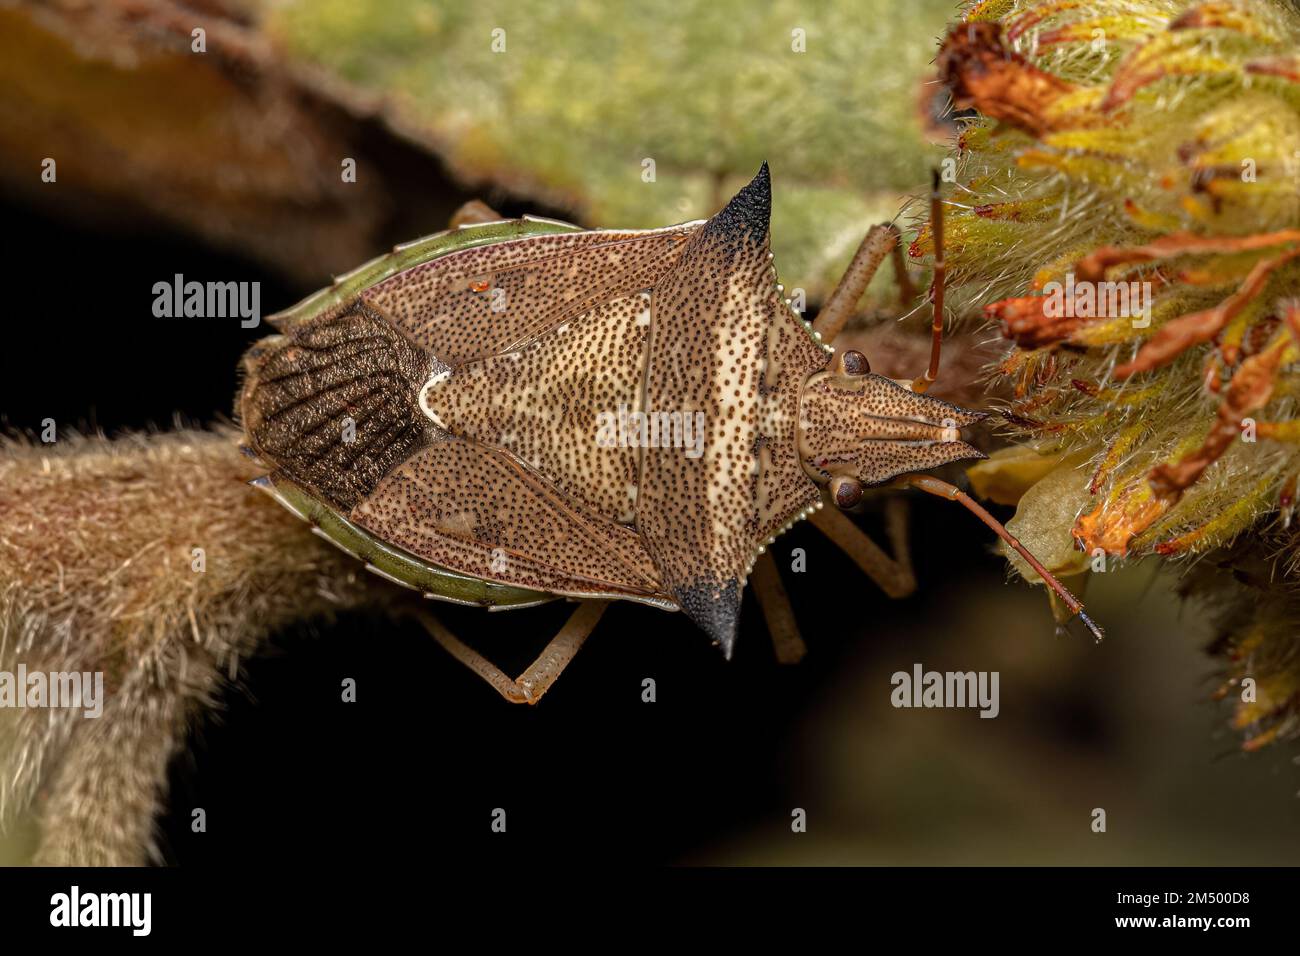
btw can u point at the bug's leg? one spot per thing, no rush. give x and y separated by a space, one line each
877 243
944 490
472 213
775 605
896 528
936 288
529 686
894 575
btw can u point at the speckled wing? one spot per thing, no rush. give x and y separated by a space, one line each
330 405
480 511
545 401
724 343
487 300
333 404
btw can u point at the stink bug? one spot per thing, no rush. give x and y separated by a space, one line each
438 412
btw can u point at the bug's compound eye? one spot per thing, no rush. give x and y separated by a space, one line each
854 362
846 492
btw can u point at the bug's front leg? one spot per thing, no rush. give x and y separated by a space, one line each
774 602
894 575
529 686
880 241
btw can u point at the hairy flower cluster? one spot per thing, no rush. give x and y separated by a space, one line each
1148 152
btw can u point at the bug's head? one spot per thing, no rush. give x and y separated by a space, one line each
858 429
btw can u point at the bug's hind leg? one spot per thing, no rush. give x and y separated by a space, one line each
894 575
841 303
529 686
774 602
472 213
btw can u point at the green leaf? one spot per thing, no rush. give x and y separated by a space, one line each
708 89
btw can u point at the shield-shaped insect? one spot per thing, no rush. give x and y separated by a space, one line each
516 411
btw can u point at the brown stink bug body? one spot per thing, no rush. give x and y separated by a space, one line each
515 411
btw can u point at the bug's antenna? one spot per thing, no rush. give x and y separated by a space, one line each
944 490
936 286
